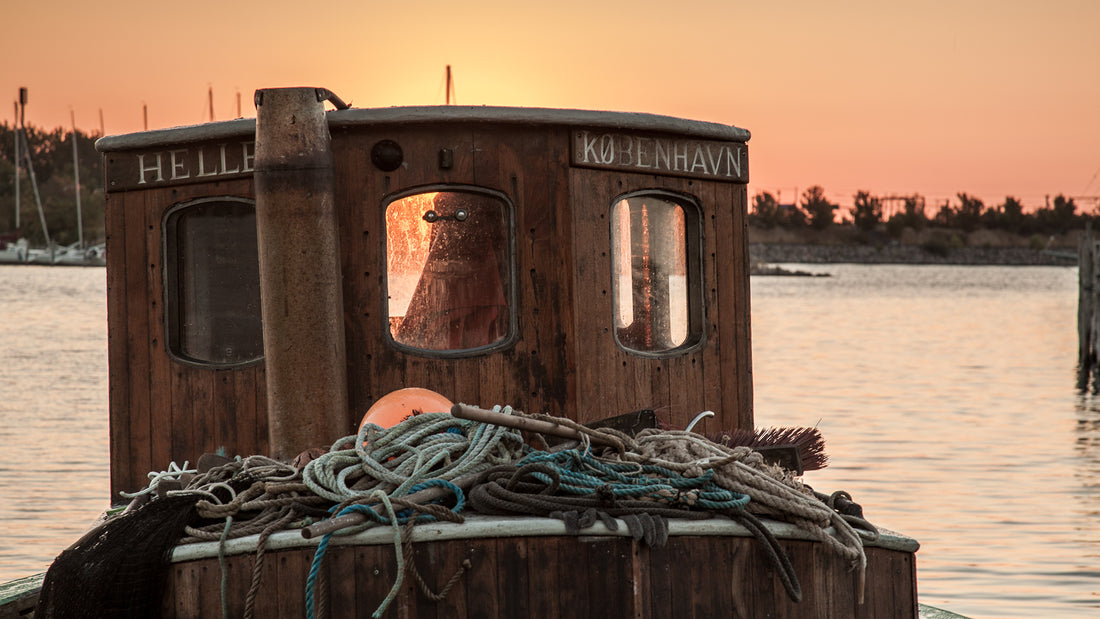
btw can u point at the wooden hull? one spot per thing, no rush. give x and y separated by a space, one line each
599 574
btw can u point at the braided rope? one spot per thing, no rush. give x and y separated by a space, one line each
657 473
742 470
533 489
258 563
426 446
583 474
773 492
174 473
409 513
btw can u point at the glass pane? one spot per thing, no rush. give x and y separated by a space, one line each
650 278
214 283
447 270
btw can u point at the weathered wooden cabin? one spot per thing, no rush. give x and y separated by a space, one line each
560 203
584 264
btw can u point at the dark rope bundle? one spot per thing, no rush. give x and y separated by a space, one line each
533 489
581 490
250 496
778 557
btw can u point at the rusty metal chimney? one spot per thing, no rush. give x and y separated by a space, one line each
300 281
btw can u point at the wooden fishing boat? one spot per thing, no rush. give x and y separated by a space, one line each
269 280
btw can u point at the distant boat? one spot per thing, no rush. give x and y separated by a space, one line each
13 252
19 252
75 255
14 249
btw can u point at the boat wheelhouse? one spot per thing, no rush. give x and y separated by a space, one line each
590 262
269 280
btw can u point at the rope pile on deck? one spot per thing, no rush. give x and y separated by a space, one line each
433 466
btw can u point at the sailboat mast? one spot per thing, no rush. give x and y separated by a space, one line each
15 132
30 166
451 98
76 180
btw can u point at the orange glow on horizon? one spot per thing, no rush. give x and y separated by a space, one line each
988 98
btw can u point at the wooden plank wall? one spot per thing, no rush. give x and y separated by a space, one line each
565 360
555 577
535 375
163 410
716 377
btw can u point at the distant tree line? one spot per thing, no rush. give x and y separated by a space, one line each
814 211
52 160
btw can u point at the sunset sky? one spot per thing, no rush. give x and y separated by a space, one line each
992 98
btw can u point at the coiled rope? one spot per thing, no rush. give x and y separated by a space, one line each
396 512
243 497
383 465
741 469
773 492
423 447
642 480
579 488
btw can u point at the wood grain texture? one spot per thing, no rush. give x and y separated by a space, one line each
563 576
564 360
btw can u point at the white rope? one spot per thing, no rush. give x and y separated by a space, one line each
173 473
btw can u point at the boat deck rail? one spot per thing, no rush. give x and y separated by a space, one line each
479 526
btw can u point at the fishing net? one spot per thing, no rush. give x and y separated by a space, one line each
118 569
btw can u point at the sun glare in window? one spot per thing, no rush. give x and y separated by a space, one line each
447 273
650 266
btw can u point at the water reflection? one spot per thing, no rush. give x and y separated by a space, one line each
54 479
1087 450
947 399
946 396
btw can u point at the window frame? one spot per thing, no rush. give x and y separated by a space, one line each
170 285
694 254
510 280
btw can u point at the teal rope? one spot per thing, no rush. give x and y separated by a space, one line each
224 567
404 516
391 518
582 474
314 569
434 446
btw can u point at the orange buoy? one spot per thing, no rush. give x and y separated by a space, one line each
397 406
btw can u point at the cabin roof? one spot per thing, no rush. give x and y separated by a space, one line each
464 114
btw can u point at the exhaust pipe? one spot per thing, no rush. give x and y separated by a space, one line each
301 292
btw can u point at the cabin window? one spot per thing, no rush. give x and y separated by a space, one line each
656 273
448 271
212 282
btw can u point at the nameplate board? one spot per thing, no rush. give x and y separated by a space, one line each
725 161
191 163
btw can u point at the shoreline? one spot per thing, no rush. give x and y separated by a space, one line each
808 253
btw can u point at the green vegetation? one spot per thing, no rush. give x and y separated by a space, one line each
869 215
52 157
52 160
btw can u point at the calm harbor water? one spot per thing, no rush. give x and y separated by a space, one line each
945 394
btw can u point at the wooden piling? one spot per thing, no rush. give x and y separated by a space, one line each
1088 295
